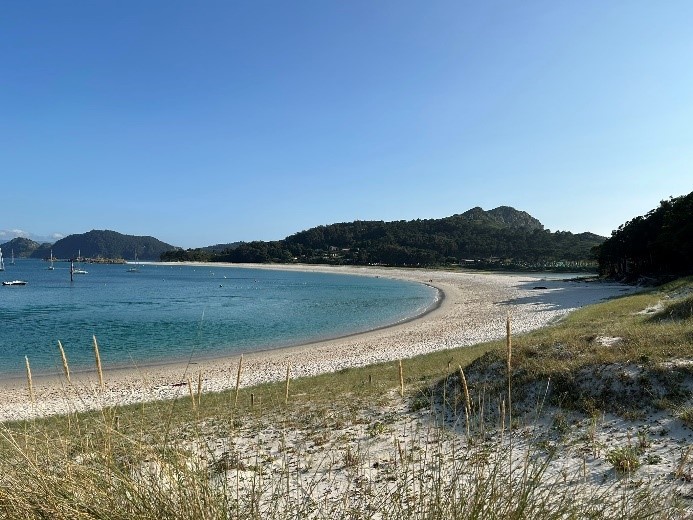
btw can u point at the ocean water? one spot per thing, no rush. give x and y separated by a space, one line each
175 312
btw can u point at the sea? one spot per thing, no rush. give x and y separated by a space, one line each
164 313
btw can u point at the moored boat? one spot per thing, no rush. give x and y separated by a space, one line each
15 282
78 270
135 268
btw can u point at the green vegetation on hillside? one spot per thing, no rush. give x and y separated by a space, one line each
105 244
499 238
659 243
22 247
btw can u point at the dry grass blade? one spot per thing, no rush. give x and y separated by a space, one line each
465 389
682 462
508 341
192 394
30 381
401 379
97 357
238 382
288 377
66 367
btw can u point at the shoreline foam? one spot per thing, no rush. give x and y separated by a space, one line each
473 309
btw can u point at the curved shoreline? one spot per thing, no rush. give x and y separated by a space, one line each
18 380
472 309
306 344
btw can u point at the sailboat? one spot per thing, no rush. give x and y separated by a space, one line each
134 268
50 267
78 270
2 263
12 261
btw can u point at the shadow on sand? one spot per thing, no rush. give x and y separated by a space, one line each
567 294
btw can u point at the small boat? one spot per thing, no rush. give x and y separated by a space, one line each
135 268
79 259
15 282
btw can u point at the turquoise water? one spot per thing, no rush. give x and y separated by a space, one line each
171 312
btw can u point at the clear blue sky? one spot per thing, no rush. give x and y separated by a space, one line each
216 121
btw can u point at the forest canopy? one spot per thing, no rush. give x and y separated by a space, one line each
500 238
658 243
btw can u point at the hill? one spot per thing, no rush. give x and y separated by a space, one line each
503 216
220 248
106 244
22 247
502 237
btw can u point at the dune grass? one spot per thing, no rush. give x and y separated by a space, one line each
257 454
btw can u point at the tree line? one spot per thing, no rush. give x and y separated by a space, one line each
658 243
503 238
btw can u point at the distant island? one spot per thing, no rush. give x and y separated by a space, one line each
95 246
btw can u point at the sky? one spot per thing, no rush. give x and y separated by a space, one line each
206 122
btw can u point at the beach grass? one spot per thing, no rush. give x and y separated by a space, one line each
349 445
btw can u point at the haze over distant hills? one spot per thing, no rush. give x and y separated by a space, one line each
21 247
93 244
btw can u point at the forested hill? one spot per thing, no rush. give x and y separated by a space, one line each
106 244
656 244
502 237
21 247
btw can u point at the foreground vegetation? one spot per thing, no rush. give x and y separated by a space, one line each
442 436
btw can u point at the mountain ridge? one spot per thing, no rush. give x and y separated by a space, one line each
502 236
92 244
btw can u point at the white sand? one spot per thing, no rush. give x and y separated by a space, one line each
473 310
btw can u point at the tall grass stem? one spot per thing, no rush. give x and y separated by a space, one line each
288 378
30 381
99 369
238 381
66 367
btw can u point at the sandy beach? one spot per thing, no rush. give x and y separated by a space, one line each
473 309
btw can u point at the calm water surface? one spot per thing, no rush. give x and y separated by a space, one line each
173 312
